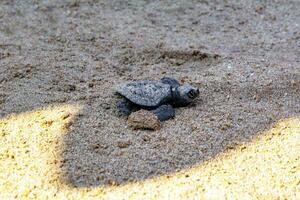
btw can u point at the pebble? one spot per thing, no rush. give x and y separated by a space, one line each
69 88
91 85
106 106
146 138
143 119
65 115
123 144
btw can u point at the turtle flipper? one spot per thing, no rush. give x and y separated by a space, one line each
126 107
164 112
170 81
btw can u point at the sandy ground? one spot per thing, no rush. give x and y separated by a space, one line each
60 130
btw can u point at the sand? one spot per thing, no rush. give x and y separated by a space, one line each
60 62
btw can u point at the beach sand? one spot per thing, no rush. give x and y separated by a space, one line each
61 60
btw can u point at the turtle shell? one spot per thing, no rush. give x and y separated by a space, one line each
145 93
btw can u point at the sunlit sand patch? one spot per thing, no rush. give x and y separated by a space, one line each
30 145
30 160
266 168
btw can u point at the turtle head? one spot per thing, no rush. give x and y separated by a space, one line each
186 94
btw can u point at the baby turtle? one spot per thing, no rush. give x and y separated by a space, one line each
158 96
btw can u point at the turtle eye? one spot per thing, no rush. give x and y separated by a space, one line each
191 94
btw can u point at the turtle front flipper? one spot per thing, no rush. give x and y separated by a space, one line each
164 112
126 107
170 81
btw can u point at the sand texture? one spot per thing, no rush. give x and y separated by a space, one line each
61 135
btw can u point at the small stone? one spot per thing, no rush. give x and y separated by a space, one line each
47 123
67 125
94 146
146 138
65 115
144 119
19 74
91 85
225 126
112 182
69 88
293 83
123 144
106 106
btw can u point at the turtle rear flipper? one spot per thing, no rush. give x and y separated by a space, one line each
126 107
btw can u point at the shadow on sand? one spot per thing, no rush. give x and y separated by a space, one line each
100 150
